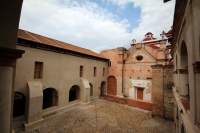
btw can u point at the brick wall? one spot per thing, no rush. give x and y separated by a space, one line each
157 90
162 94
168 93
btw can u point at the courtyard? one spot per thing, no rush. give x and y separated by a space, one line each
103 116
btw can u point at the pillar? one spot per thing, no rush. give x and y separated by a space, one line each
9 15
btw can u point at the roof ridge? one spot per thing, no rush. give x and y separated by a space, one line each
56 43
32 36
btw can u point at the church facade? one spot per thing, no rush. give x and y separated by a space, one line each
130 71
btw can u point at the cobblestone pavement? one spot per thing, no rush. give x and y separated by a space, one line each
104 117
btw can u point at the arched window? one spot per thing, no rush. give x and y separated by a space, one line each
19 104
91 89
50 98
184 55
74 93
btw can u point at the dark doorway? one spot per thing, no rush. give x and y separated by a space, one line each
49 98
140 93
112 86
91 89
74 93
19 104
103 87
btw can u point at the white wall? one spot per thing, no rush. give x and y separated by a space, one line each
146 84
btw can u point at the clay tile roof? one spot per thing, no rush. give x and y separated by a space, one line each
149 33
153 46
171 63
52 42
148 39
169 32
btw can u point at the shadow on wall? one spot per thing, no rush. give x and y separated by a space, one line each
19 104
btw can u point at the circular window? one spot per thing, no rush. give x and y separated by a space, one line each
139 57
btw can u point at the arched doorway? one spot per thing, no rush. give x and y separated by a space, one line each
103 88
183 81
184 55
74 93
91 89
182 129
112 85
19 104
50 98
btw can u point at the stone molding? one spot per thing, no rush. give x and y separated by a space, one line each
8 56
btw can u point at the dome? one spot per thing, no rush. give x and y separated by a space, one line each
149 39
149 33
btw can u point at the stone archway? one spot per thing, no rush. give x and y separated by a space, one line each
91 89
103 88
112 85
74 93
19 104
50 98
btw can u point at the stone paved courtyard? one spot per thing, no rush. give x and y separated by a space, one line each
104 117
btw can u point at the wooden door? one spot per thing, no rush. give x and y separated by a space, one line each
140 93
112 86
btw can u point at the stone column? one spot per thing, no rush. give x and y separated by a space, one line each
9 15
8 58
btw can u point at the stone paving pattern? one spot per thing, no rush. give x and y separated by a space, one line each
103 116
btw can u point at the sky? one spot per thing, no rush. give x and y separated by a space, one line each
97 24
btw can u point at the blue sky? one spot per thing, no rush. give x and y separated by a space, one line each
97 24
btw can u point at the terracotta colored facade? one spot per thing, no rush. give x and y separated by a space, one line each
132 68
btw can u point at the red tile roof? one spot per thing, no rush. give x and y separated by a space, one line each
149 33
148 39
52 42
153 46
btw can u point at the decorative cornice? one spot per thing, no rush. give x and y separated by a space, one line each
8 56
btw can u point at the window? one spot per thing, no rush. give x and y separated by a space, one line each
109 63
103 71
94 71
81 71
139 57
38 70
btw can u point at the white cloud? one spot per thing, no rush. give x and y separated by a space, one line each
86 24
156 16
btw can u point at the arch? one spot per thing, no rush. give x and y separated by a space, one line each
184 55
74 93
19 104
91 89
111 85
182 129
103 87
50 98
